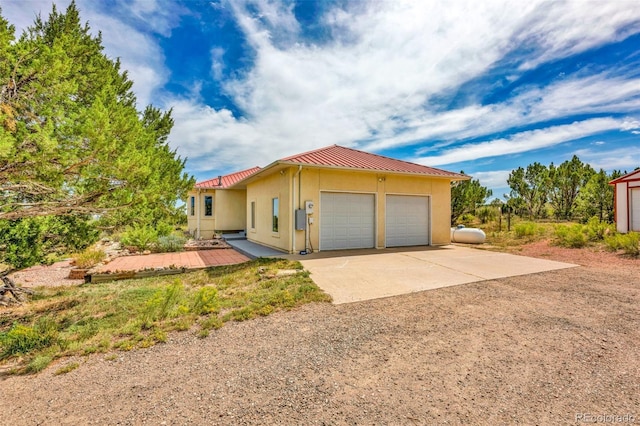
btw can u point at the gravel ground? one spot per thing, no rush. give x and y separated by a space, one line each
536 349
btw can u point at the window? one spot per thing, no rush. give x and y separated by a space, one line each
253 215
208 205
275 209
192 207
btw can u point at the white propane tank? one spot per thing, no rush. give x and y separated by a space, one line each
460 234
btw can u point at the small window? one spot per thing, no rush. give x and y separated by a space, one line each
208 205
192 206
253 215
275 209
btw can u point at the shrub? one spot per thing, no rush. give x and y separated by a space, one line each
163 304
89 258
170 243
141 237
573 236
525 229
597 230
486 214
205 301
163 229
466 219
629 243
22 339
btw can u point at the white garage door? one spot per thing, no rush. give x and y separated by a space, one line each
347 221
635 209
407 221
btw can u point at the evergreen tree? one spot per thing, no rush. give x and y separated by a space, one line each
529 187
466 196
566 181
596 197
71 139
72 143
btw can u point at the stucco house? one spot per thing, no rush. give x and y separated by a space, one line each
627 202
328 199
215 206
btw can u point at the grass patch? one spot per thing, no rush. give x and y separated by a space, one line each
522 232
132 314
67 368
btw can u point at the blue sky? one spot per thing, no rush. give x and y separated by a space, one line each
479 86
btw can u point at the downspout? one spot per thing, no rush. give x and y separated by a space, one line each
198 214
293 203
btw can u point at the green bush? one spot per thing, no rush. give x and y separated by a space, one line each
525 229
164 304
22 339
141 237
205 301
629 243
89 258
29 241
170 243
466 219
573 236
597 230
163 229
486 214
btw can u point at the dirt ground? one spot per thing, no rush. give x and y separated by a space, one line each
558 347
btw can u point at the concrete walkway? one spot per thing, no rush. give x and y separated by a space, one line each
186 259
254 250
356 275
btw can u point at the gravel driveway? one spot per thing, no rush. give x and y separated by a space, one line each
535 349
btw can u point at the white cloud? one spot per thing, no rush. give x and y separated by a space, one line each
217 62
522 142
375 79
564 28
493 179
626 158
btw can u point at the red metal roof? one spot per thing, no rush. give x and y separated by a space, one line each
339 156
227 180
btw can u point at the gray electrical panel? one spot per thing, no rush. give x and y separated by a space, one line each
301 219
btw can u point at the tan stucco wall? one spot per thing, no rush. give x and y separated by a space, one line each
207 223
230 207
314 181
262 192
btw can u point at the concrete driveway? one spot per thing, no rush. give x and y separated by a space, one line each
355 275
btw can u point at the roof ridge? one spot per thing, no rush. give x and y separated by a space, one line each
222 178
383 157
309 152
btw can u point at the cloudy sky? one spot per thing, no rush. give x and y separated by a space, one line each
479 86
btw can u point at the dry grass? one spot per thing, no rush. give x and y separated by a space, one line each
135 314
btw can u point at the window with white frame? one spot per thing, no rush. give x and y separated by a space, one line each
192 206
275 213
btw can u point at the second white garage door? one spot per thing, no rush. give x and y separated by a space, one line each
407 221
347 221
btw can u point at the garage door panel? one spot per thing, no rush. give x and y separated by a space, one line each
635 210
407 220
346 220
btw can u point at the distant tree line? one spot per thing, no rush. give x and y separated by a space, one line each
76 155
571 190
